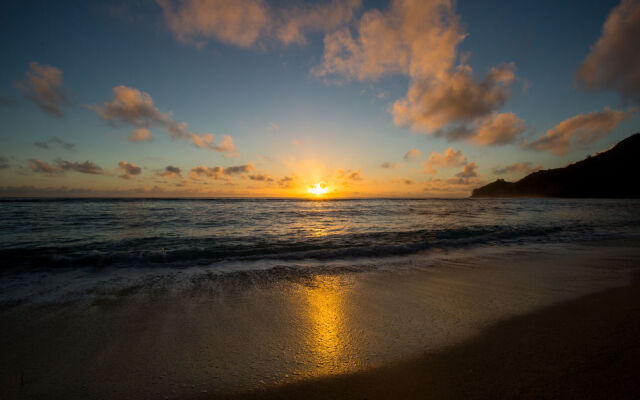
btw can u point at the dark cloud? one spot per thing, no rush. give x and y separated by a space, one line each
261 178
520 168
220 172
86 167
389 165
129 170
55 141
171 172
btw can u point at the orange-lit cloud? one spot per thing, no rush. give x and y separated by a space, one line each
431 104
140 135
412 154
129 170
239 22
612 63
414 37
246 22
43 86
469 170
448 159
293 23
419 38
40 166
289 182
581 129
348 175
497 129
133 107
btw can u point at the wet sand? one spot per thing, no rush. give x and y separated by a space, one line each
552 321
587 348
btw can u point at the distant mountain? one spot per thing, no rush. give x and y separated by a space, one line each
614 173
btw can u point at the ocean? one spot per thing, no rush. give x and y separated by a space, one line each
146 233
148 298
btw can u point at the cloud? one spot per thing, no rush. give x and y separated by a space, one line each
448 159
133 107
219 172
389 165
171 172
612 63
581 129
244 23
520 168
296 21
468 171
43 167
414 37
43 86
4 163
412 154
261 178
432 104
55 141
86 167
349 175
140 135
494 129
129 170
239 22
419 39
288 182
61 166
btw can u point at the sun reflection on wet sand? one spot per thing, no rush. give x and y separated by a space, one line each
328 334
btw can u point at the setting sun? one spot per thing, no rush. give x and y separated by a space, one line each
319 189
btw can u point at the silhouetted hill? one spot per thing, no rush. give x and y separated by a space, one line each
612 173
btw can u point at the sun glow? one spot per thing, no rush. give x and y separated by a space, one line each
319 189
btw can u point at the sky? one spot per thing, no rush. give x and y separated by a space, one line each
352 98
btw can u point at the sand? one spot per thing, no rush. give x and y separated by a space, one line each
537 322
587 348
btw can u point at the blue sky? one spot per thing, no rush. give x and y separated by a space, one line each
284 120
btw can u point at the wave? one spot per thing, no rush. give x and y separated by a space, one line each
179 252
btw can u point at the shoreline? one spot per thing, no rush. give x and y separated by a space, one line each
585 348
406 333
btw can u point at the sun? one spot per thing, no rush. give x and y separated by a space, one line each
318 189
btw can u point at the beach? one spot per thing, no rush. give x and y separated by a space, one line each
542 321
585 348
